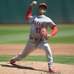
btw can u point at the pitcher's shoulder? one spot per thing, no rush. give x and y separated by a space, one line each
47 18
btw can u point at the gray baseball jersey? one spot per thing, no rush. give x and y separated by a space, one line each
37 23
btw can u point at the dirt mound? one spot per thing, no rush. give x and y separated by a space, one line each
34 68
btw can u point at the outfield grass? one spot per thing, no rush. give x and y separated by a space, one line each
20 34
57 59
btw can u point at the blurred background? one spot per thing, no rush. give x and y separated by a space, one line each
15 29
13 11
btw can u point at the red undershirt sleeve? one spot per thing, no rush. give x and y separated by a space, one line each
54 30
28 14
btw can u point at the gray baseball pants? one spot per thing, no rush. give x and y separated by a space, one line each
31 46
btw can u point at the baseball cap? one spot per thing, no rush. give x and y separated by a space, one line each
43 4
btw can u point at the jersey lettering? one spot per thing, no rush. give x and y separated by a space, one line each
36 23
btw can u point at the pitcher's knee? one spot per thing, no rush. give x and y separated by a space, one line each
47 49
46 46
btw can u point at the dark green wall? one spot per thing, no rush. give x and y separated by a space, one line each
13 11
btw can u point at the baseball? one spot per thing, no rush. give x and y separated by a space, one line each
34 2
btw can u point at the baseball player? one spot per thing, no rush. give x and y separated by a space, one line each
38 35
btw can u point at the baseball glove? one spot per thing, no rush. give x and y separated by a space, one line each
44 33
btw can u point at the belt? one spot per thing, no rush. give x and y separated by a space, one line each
34 39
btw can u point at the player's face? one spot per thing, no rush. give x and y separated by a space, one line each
41 10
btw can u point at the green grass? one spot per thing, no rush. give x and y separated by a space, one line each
57 59
20 34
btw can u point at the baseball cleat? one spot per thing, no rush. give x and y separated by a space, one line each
12 61
52 70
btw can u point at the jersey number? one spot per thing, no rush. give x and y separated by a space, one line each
38 30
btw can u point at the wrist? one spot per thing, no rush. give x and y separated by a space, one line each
31 5
49 35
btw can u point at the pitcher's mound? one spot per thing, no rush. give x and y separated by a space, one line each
34 68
